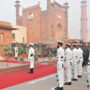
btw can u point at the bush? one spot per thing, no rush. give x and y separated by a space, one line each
21 60
9 50
50 55
6 49
21 50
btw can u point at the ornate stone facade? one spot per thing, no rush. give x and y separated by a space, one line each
46 26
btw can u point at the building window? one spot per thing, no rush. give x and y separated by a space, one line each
13 36
23 39
59 26
30 16
2 37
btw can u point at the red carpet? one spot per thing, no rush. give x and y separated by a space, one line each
20 77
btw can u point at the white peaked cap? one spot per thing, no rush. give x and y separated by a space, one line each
31 44
68 43
75 44
60 42
79 44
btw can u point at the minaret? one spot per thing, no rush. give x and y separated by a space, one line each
84 27
39 2
48 3
17 12
66 18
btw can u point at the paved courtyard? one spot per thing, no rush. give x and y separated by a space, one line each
6 64
49 82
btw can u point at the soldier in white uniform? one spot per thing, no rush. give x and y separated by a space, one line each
60 66
68 64
80 61
31 57
88 70
16 51
75 59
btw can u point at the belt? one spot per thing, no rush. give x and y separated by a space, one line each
60 60
69 59
62 57
88 62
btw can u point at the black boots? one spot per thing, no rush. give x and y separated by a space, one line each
67 83
31 70
88 86
74 79
87 81
59 88
79 76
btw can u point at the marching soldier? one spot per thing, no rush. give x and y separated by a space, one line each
68 64
60 66
75 59
80 61
31 57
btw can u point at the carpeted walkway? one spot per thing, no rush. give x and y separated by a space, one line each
20 77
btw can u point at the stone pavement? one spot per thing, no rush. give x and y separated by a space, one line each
47 83
6 64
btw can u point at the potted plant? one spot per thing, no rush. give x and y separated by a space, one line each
37 54
6 49
6 52
9 51
21 60
50 55
22 53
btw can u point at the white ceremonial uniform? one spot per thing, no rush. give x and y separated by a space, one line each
60 66
88 70
16 51
75 59
80 61
31 57
68 62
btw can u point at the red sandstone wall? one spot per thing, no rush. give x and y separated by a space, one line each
59 18
33 26
7 39
44 25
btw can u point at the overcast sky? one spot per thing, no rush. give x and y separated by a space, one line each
7 13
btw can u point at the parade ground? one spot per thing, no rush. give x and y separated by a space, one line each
44 45
49 82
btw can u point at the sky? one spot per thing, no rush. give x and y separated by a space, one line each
7 13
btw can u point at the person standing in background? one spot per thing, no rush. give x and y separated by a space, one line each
31 57
85 54
16 51
88 70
